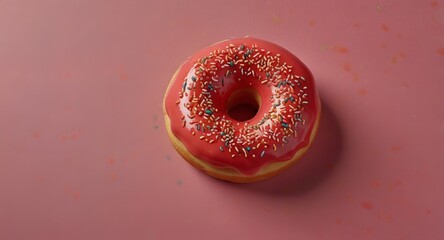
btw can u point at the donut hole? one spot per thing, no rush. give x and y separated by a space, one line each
243 104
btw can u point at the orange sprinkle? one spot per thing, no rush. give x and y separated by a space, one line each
395 148
367 205
123 76
355 77
401 55
362 92
36 134
312 23
338 221
340 49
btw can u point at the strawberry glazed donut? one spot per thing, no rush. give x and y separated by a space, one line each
242 110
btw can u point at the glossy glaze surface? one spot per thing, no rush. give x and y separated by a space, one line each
196 104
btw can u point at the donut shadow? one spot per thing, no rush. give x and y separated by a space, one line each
315 167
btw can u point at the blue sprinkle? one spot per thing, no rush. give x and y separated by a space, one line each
292 98
193 78
222 133
248 148
184 85
226 143
198 127
210 87
285 125
221 148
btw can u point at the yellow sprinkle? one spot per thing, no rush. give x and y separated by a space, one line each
245 152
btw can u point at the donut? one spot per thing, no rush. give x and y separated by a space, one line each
242 110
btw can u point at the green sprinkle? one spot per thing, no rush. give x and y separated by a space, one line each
246 54
285 125
248 148
208 111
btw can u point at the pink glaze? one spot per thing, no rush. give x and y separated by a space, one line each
196 104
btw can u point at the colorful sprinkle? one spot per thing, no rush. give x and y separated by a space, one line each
268 69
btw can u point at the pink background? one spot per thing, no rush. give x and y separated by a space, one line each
84 152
